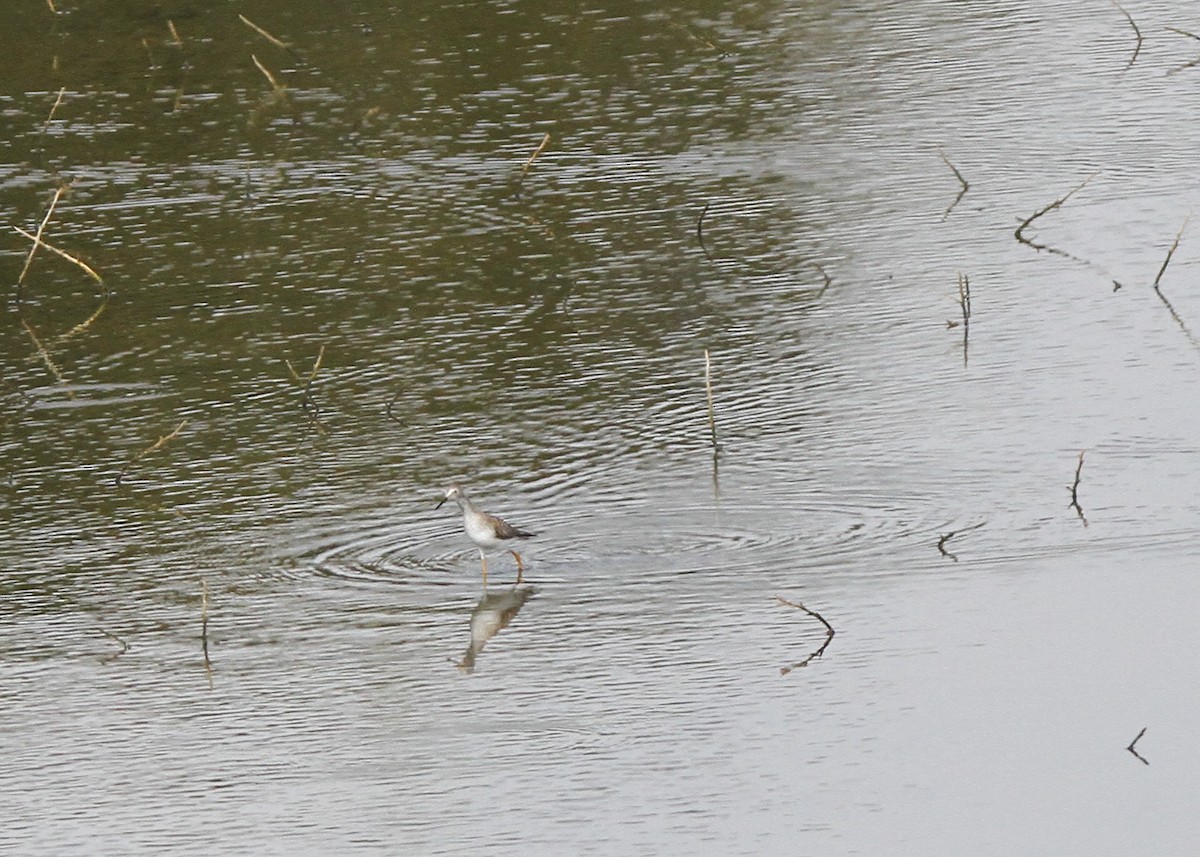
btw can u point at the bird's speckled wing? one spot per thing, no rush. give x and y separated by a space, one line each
505 530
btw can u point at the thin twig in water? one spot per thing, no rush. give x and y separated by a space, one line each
1074 489
307 403
1158 291
829 632
158 444
964 302
1133 743
824 276
387 410
965 185
540 147
1186 65
941 545
113 655
1057 203
1171 252
1136 32
204 627
1190 35
53 8
38 242
175 39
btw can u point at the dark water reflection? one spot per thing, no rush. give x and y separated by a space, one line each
352 294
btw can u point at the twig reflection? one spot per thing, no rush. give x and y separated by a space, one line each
829 632
493 612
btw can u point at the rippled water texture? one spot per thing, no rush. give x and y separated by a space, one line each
234 621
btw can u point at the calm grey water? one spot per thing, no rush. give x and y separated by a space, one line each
349 294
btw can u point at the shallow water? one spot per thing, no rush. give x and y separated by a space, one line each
348 296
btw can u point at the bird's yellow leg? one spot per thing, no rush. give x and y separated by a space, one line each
520 565
483 561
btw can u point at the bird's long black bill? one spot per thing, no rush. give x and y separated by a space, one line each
440 502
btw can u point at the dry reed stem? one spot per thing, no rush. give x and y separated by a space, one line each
175 38
54 108
158 444
53 8
84 265
712 419
279 43
275 84
58 192
540 148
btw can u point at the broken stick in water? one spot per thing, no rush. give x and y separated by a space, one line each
962 181
307 403
37 239
158 444
1056 204
54 109
112 656
829 632
1171 252
1074 489
279 43
1136 32
40 242
941 545
540 148
712 419
1133 744
279 88
204 627
1158 291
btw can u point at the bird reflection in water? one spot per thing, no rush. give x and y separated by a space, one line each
491 616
